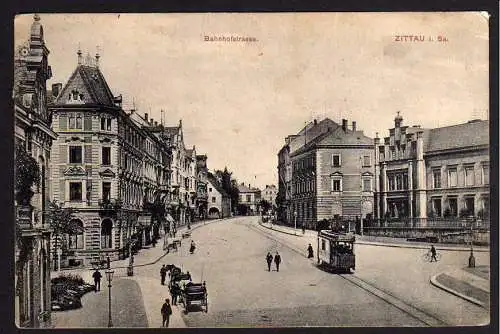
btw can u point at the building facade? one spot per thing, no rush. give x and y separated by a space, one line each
428 174
201 187
332 174
34 137
249 200
219 202
269 194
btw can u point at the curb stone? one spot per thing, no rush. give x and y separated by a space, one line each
434 282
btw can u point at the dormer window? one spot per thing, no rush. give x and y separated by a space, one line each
75 96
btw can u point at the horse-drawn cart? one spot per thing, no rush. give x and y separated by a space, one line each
194 294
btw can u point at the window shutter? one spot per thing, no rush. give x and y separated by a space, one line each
88 154
62 191
87 123
63 122
63 154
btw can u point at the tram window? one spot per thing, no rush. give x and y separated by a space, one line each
323 245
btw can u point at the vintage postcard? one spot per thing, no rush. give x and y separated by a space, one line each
252 170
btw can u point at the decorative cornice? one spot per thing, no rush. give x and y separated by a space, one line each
75 171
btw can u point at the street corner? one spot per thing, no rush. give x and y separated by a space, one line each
465 284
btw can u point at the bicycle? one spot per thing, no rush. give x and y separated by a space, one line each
427 257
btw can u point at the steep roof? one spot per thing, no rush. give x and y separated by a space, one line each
89 81
473 133
244 189
213 180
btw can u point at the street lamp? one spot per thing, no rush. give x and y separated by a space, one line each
472 259
109 276
295 222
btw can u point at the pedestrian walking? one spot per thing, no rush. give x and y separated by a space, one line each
310 252
277 261
269 259
97 280
166 311
163 274
303 229
433 253
174 291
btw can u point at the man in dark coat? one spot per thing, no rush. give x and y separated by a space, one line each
433 253
175 291
269 259
310 252
163 274
166 311
277 261
97 280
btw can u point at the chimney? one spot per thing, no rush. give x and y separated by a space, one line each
56 89
344 125
353 125
156 123
249 186
146 116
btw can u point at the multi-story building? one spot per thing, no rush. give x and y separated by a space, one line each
201 186
433 173
98 165
219 202
249 199
332 173
182 203
33 136
269 194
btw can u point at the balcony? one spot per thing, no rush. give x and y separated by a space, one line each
110 204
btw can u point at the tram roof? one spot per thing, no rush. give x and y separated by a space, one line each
337 236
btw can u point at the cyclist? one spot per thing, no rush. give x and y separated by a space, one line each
433 253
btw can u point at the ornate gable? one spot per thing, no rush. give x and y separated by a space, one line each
75 171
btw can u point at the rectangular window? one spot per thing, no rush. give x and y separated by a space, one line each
213 199
108 124
336 160
71 122
367 184
366 161
75 241
106 156
106 191
452 177
436 178
436 206
399 182
249 198
486 174
336 185
75 154
103 123
391 182
75 191
469 176
79 123
453 206
323 244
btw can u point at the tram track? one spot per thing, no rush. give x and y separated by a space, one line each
415 312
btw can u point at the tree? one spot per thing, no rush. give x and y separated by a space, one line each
61 222
27 174
265 205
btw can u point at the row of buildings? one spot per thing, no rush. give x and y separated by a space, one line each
413 176
125 175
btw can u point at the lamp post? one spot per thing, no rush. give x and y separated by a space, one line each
472 259
295 222
109 276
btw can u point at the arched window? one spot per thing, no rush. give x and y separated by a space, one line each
75 240
106 229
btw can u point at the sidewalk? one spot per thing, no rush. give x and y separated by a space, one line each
377 241
472 284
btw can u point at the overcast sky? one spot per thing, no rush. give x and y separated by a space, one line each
239 100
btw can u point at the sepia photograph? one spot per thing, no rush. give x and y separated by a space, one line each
249 170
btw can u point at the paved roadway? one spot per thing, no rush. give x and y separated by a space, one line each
230 257
242 293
